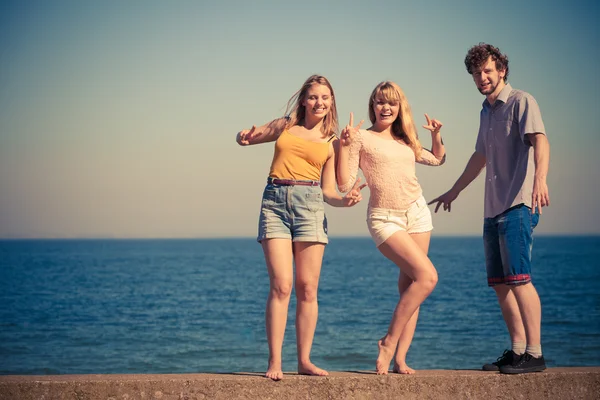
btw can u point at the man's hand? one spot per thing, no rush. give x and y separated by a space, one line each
540 197
446 199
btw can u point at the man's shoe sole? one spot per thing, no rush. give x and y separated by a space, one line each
522 371
490 369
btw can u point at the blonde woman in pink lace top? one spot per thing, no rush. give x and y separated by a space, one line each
398 217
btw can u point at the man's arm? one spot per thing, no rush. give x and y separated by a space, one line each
472 170
541 156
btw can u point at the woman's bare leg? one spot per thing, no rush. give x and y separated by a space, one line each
401 249
278 256
308 258
408 332
400 366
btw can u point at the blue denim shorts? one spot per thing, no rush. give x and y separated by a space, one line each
508 240
293 212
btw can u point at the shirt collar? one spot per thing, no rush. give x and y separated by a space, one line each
502 96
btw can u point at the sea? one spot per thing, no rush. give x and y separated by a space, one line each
99 306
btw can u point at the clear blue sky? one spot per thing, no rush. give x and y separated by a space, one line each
117 119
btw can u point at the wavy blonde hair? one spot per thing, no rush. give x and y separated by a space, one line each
296 112
404 126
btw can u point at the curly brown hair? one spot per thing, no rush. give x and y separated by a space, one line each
479 54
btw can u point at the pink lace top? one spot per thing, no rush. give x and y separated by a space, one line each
389 168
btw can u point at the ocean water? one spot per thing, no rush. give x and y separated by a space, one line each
188 306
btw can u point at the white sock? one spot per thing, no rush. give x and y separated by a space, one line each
519 347
534 350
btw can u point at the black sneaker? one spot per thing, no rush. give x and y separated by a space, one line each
505 359
523 364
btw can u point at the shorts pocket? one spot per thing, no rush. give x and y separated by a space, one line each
374 218
416 208
535 219
418 218
314 201
270 196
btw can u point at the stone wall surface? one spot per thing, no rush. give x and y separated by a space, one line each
554 383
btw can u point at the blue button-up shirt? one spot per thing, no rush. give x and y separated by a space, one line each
510 165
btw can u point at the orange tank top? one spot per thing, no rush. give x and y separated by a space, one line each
297 158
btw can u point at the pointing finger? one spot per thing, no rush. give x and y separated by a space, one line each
351 119
360 124
250 133
427 118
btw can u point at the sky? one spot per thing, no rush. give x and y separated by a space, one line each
118 119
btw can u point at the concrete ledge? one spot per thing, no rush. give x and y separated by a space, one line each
554 383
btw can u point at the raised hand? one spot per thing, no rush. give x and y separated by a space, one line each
244 137
349 131
433 125
354 195
446 199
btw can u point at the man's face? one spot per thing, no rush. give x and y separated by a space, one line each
487 77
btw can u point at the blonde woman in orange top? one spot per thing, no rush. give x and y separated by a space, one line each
292 226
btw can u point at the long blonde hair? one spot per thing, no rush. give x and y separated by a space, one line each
404 126
296 111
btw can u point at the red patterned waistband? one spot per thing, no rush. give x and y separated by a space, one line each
292 182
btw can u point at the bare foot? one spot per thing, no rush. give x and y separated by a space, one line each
311 369
274 372
385 357
402 368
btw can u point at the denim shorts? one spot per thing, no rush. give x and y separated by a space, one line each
383 222
293 212
508 240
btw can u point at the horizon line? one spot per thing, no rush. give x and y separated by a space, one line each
464 235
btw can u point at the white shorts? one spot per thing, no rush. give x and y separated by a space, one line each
383 222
